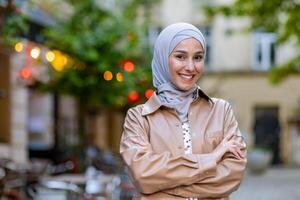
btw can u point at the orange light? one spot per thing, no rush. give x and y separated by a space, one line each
119 77
59 61
25 73
149 93
133 96
128 66
19 47
130 36
107 75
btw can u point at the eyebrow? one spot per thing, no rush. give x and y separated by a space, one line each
182 51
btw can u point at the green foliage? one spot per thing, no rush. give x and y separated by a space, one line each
12 24
97 40
279 16
279 73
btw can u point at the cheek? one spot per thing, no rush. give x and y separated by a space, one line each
200 68
174 66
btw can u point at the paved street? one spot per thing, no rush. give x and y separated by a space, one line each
275 184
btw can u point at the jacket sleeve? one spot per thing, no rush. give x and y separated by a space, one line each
229 171
153 172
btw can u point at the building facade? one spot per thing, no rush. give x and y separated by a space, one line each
237 70
13 108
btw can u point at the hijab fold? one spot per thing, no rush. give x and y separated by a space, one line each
167 91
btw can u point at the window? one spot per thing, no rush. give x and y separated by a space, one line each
206 31
153 34
264 51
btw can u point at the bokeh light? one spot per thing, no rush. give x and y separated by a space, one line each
19 47
133 96
25 73
35 52
108 75
59 61
119 77
128 66
50 56
149 93
130 36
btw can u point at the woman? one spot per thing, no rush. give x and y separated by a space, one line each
182 144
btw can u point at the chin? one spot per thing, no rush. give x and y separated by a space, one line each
185 88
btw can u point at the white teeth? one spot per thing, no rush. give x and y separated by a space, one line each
186 76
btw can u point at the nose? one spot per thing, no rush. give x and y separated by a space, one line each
190 65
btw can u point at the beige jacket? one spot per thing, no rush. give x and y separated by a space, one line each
152 148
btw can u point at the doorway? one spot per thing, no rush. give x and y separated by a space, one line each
267 130
4 98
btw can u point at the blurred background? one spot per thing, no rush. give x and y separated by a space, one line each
70 69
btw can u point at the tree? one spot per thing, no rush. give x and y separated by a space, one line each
12 23
278 16
94 40
102 54
98 40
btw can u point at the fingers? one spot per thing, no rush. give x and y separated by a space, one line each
239 138
243 145
234 146
229 136
237 152
240 145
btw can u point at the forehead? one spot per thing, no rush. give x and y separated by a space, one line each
189 44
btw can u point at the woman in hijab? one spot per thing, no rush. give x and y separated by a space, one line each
182 144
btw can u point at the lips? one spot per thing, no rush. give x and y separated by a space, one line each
186 77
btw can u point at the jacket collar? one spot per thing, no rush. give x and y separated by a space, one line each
151 105
154 102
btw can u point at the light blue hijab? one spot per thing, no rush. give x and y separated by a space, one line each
167 91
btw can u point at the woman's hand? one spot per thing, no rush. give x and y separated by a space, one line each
231 143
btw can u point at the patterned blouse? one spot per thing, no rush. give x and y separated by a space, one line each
187 140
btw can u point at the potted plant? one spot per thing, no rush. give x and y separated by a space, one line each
259 159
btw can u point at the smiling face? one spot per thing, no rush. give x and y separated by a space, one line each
186 63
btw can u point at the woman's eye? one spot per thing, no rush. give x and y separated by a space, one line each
199 58
180 57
